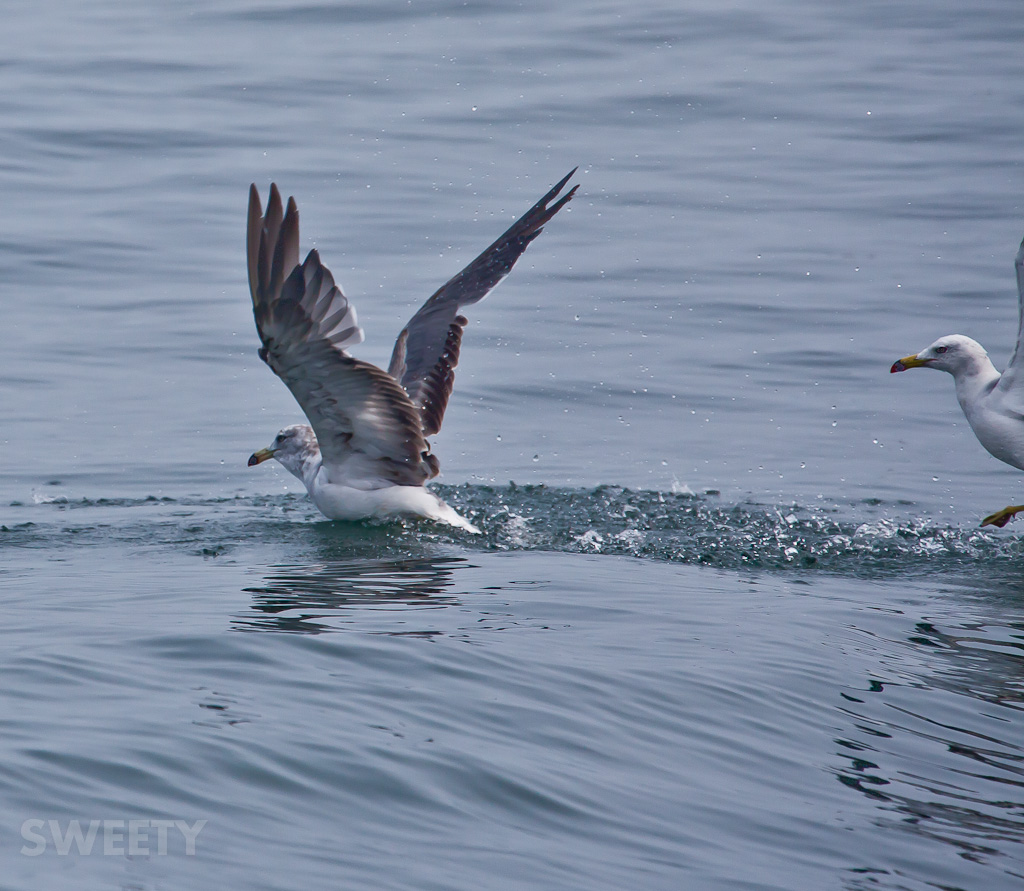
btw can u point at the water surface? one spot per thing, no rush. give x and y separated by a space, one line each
731 623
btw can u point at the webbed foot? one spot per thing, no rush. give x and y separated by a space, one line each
1002 517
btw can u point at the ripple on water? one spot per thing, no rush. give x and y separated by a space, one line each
863 540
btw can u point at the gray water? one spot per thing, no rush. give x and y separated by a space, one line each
731 623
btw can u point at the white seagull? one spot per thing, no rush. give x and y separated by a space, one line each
992 402
365 454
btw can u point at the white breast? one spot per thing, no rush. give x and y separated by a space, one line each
999 429
339 502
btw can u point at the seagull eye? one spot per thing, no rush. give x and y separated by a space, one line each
941 350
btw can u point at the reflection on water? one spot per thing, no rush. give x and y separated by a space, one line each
302 598
934 737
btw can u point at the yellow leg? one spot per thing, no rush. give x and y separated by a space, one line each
1002 517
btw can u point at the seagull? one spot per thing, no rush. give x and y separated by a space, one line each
992 402
364 453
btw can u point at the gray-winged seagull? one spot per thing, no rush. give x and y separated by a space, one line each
365 452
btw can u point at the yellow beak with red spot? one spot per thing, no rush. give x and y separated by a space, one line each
908 362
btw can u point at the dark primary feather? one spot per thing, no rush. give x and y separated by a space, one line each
427 350
370 424
363 420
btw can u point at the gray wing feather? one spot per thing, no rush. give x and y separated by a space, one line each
1012 381
427 350
363 420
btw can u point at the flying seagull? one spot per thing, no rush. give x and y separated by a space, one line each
365 452
992 402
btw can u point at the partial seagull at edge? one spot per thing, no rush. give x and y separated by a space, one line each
992 402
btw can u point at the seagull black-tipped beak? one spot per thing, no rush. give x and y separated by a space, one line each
260 456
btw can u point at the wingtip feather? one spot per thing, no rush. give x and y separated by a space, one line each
253 229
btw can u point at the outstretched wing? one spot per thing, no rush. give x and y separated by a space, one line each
1012 381
427 350
368 428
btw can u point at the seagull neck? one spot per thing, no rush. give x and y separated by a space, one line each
975 382
305 465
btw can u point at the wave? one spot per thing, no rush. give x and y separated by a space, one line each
867 539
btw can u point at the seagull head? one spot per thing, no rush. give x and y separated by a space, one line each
292 447
954 353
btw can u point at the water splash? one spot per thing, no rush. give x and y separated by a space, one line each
686 528
866 539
